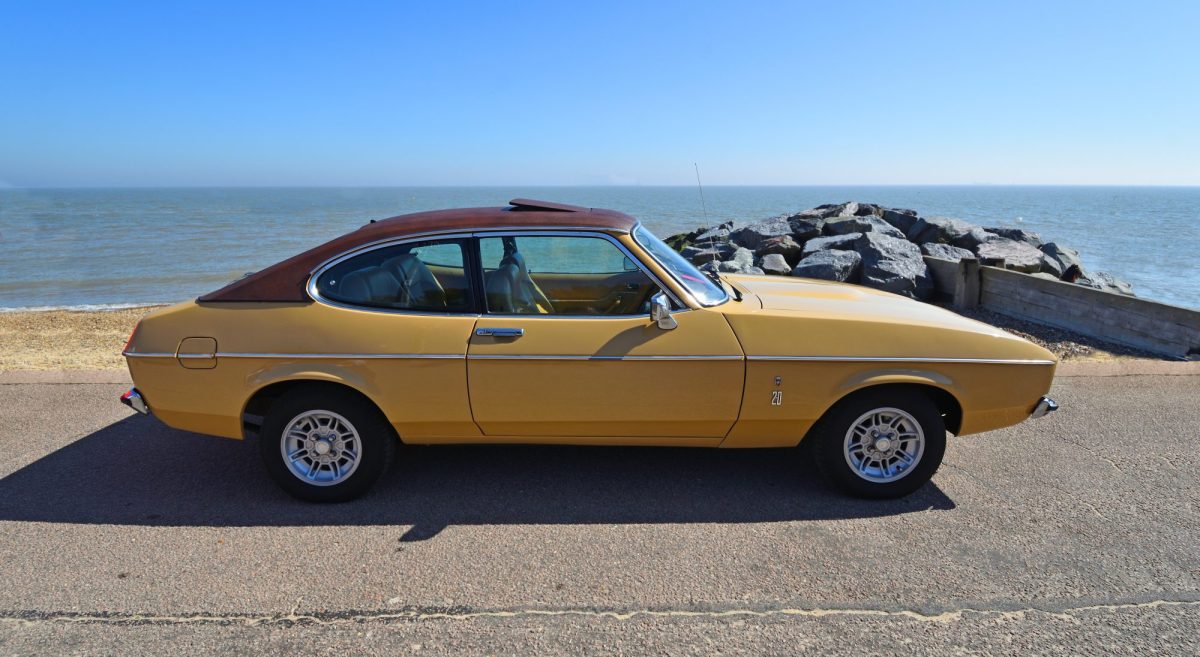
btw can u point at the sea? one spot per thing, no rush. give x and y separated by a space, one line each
93 249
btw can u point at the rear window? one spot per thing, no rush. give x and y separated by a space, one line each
421 276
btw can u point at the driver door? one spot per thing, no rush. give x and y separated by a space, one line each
586 361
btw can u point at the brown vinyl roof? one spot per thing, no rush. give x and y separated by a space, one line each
286 280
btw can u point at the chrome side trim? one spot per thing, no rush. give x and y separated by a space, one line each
226 354
336 356
831 359
874 359
598 358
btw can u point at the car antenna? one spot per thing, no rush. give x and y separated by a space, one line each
712 240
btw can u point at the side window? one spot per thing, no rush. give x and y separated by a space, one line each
429 276
562 275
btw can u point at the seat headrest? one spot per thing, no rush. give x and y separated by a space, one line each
517 260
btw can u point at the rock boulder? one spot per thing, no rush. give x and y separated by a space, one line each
1016 234
855 209
869 223
844 242
741 262
830 210
830 265
754 234
945 251
1106 282
894 265
784 245
1064 257
805 226
1018 256
735 268
718 233
901 219
774 263
947 231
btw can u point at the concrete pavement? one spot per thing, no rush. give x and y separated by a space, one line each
1075 533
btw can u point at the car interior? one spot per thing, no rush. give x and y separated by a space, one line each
399 277
431 276
509 287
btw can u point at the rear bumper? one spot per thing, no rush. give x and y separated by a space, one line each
1045 406
133 399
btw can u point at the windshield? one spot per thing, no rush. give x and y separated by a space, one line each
685 273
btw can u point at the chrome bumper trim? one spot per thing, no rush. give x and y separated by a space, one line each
133 399
1045 406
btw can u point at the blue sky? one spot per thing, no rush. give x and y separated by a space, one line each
558 93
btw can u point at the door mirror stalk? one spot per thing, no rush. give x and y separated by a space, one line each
660 312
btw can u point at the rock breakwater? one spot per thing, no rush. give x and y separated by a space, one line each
879 247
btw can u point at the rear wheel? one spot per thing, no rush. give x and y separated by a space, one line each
882 443
325 445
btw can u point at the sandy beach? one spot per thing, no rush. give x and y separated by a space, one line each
78 340
64 339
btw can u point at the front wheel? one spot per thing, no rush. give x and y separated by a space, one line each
325 445
881 443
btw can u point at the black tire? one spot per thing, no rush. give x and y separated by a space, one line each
376 437
830 440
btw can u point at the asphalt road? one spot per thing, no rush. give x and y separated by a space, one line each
1077 533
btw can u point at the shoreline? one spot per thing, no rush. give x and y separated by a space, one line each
52 340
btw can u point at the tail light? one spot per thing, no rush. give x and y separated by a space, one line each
131 336
133 399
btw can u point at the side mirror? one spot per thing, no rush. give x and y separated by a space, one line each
660 312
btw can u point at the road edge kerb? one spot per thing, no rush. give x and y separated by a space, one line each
1130 367
114 376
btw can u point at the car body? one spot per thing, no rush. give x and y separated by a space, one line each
545 323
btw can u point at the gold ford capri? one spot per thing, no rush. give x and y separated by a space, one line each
548 323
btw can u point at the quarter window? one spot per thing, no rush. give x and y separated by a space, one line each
428 276
562 275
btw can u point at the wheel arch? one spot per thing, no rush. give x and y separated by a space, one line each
259 403
936 390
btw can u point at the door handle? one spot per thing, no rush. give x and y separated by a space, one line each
500 332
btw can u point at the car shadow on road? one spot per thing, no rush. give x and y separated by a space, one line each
137 471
